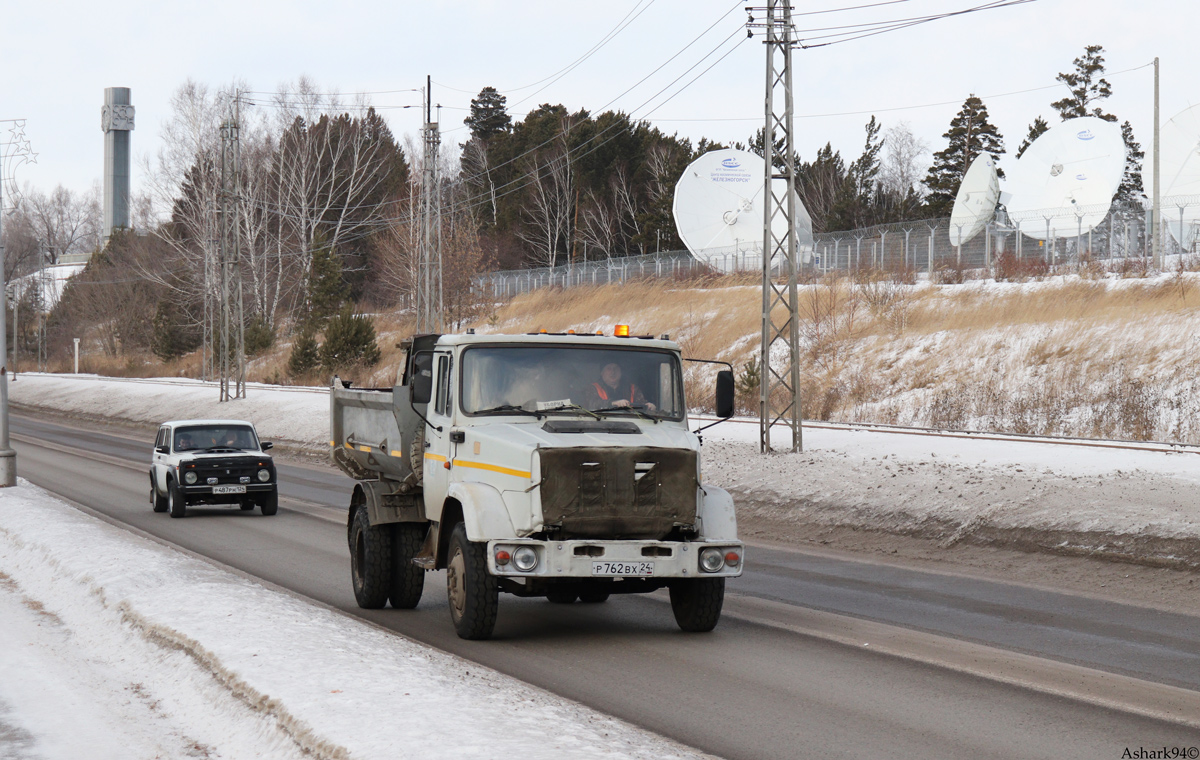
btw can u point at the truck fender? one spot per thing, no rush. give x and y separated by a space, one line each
484 513
382 505
718 520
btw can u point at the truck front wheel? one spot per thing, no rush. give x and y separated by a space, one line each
408 580
473 594
370 561
696 603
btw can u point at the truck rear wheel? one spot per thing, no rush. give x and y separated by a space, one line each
370 561
473 594
408 580
696 603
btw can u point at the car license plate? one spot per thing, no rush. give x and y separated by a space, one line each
622 568
229 489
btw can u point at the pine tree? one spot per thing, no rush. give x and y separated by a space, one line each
305 355
349 341
173 333
970 134
1036 130
489 114
1087 85
327 291
1131 183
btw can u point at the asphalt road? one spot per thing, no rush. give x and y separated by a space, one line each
751 689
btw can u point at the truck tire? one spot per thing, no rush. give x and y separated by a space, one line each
270 503
370 561
696 603
561 596
473 594
176 504
408 580
159 502
594 596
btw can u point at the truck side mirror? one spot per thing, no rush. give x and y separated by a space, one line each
724 393
422 387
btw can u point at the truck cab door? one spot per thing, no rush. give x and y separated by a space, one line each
438 453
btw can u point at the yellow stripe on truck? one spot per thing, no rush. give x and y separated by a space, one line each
436 457
491 468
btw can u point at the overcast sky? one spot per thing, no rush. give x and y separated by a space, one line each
59 57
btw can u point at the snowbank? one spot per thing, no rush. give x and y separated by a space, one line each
118 647
1135 504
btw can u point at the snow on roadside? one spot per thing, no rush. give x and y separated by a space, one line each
118 647
947 487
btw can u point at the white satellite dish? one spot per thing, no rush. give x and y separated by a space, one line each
1179 157
975 203
718 209
1067 176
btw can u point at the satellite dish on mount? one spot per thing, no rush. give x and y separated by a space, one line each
975 203
1068 175
1179 157
719 208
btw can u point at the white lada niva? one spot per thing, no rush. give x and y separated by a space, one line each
211 462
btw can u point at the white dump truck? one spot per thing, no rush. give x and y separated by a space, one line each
547 465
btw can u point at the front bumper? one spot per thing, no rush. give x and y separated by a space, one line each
574 559
203 492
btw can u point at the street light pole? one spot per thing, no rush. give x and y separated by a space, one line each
8 457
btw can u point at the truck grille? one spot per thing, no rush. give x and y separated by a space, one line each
627 492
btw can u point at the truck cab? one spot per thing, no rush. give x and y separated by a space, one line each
554 465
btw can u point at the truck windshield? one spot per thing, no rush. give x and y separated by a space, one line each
202 437
569 379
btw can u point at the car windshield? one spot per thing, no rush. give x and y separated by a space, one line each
203 437
571 379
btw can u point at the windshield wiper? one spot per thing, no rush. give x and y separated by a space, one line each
569 408
506 408
630 408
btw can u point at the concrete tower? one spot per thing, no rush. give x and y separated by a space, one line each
116 119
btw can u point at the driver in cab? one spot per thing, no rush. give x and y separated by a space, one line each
610 392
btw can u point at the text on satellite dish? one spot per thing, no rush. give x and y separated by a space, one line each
1085 134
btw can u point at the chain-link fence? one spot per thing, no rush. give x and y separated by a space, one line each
917 247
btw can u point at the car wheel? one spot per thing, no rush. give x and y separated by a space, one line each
408 580
270 503
473 594
697 602
370 561
158 502
247 505
175 501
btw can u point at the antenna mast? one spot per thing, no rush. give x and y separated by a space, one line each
779 380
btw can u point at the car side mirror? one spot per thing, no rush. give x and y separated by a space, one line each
162 449
725 398
422 388
267 445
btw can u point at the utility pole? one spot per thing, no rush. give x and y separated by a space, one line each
232 342
14 148
429 270
779 380
1154 216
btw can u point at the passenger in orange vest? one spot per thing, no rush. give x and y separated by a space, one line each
610 391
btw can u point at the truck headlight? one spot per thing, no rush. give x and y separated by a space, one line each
712 559
524 558
264 476
189 477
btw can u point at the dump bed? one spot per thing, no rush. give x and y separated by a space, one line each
366 425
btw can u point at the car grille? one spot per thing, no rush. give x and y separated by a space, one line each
226 471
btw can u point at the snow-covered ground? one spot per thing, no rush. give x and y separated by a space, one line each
114 646
1132 502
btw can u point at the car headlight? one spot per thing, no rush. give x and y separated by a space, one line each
264 476
524 558
189 477
712 559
